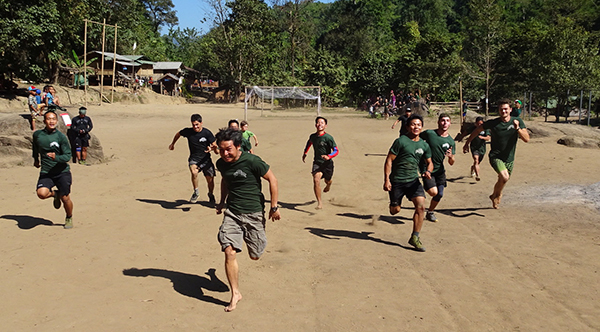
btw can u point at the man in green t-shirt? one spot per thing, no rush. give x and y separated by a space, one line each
325 150
505 132
52 147
245 146
442 145
478 148
401 174
244 219
516 111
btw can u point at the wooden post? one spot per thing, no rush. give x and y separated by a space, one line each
112 92
246 103
460 104
85 63
102 73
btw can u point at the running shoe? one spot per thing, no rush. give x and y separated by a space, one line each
473 174
56 201
68 223
211 198
194 197
415 241
431 216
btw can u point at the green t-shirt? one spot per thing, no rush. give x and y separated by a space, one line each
247 134
57 142
246 146
439 145
504 138
516 112
478 145
243 179
409 154
322 145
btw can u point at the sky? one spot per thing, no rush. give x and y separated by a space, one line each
191 12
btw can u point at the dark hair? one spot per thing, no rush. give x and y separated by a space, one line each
320 117
50 112
196 117
232 121
504 101
226 134
243 123
479 118
443 115
412 117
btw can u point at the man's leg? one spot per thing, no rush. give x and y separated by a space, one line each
194 170
232 271
496 196
84 153
328 185
415 239
476 159
210 183
317 188
68 204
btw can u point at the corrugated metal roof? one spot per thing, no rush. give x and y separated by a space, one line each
167 65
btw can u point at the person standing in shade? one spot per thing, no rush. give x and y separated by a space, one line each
442 145
517 111
401 175
478 148
505 132
201 142
244 218
33 106
325 150
82 125
51 153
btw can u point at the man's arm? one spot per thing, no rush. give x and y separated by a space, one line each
36 152
427 173
387 170
65 151
395 123
172 145
255 140
224 193
91 125
308 144
333 153
523 133
474 134
269 176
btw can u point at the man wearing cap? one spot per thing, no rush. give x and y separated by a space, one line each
33 106
81 126
402 118
516 111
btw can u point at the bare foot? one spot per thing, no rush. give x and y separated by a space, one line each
327 187
235 298
319 207
495 201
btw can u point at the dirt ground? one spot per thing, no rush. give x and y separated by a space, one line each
141 258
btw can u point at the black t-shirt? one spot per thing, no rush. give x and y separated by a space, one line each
403 130
198 142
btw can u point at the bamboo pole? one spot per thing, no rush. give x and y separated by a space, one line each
85 63
112 91
102 73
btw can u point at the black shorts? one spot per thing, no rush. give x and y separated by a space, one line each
62 181
409 189
326 168
82 141
207 168
435 181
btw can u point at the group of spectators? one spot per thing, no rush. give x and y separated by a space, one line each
39 100
393 103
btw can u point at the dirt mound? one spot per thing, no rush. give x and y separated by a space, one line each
16 140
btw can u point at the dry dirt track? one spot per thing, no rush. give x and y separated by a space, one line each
140 257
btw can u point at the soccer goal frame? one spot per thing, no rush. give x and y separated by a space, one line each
272 93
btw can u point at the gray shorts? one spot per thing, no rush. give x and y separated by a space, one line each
243 227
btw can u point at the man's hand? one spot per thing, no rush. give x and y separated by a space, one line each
303 158
274 215
171 146
219 207
326 157
427 175
36 163
387 185
516 124
466 148
51 155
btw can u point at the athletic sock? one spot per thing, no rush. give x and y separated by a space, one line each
196 191
415 233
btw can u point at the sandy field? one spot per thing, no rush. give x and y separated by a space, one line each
141 258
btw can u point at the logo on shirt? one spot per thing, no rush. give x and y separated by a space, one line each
239 173
419 151
202 139
55 144
512 126
445 146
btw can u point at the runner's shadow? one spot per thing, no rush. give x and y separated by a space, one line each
190 285
470 212
167 204
375 155
294 206
336 234
28 222
388 219
453 180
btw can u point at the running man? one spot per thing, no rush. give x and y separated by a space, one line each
401 174
52 152
200 142
442 145
505 132
325 150
246 134
478 148
246 145
244 218
402 119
